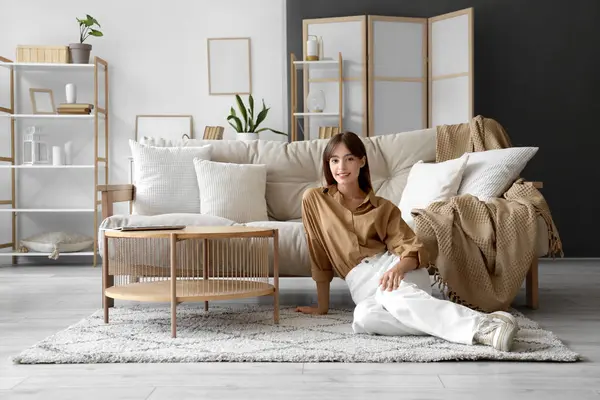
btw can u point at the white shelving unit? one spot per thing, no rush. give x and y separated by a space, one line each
98 164
307 66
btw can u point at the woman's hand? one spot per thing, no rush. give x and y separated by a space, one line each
310 310
392 278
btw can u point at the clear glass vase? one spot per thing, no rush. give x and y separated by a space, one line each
315 101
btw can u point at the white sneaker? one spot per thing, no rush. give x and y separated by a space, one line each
498 330
508 317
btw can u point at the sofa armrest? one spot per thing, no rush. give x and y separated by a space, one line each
114 194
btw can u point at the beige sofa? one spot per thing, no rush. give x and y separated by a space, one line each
291 169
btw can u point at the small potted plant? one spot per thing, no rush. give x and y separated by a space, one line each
80 52
246 126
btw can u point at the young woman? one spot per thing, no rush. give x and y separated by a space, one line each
365 240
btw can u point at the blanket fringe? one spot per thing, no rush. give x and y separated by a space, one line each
447 292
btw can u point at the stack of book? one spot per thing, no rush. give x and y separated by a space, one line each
75 108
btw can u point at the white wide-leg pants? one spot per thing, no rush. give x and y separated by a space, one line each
408 310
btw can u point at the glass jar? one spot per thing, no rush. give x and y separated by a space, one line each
315 101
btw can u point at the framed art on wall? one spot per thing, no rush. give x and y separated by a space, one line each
163 129
229 66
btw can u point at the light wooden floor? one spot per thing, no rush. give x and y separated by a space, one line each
37 301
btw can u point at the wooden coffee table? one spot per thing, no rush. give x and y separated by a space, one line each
192 264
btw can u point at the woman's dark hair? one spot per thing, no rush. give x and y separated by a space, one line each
356 146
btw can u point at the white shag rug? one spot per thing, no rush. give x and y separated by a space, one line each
247 334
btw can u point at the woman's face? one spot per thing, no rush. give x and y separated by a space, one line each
344 166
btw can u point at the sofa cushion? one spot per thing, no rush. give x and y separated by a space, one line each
165 178
490 173
431 182
293 252
232 191
294 167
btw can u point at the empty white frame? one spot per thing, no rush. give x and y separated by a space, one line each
229 66
169 128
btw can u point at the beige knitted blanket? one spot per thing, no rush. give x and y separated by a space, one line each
483 249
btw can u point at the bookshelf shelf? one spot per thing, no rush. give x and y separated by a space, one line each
42 166
45 66
90 117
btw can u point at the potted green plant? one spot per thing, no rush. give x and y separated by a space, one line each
80 52
245 124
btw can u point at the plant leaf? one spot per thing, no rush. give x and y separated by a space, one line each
232 112
96 33
242 108
261 116
89 17
232 125
238 123
251 120
272 130
252 125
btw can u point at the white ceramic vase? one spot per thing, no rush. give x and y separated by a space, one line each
57 155
247 136
71 93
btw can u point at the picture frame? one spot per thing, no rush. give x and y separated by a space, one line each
171 128
229 66
42 101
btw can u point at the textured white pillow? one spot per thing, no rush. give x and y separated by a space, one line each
430 182
490 173
57 242
165 178
232 191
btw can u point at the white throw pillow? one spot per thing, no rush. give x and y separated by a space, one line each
490 173
430 182
57 242
232 191
165 178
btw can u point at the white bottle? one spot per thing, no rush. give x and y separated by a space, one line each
312 48
71 92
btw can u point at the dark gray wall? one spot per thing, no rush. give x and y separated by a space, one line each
537 72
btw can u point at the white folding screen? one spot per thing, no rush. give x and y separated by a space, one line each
451 68
400 73
397 74
345 35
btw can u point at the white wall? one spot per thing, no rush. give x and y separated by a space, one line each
157 55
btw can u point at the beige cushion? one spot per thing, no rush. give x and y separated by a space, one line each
232 191
293 252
